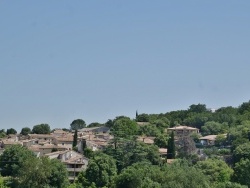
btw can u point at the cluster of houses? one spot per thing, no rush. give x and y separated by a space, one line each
59 143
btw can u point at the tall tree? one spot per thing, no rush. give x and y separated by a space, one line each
11 131
77 124
75 139
41 129
171 147
25 131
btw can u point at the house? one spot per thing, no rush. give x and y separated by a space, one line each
181 131
146 140
94 130
74 162
163 152
41 150
208 140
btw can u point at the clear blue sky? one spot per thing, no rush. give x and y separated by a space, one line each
95 60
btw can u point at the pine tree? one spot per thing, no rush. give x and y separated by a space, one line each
171 147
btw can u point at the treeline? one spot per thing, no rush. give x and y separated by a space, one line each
127 162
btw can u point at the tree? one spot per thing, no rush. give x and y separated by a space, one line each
124 127
242 172
181 174
212 127
161 141
242 152
2 133
59 174
171 147
101 170
95 124
43 172
12 159
25 131
215 169
142 118
77 124
11 131
197 108
244 107
75 139
41 129
141 174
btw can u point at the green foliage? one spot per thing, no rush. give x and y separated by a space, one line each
197 108
244 107
2 133
59 174
215 169
42 173
41 129
242 152
11 131
101 171
180 174
242 172
161 141
214 128
141 175
132 151
3 183
77 124
74 139
171 147
149 130
95 124
220 140
12 159
25 131
88 153
142 118
124 127
197 119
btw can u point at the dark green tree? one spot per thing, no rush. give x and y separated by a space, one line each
11 131
41 129
12 159
197 108
242 172
95 124
25 131
75 139
101 170
171 147
77 124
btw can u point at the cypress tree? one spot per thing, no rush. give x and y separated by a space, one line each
75 139
171 147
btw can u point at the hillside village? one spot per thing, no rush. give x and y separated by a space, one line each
160 139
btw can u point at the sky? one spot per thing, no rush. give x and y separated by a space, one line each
95 60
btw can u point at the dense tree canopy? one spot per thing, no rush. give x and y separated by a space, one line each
25 131
11 131
77 124
13 158
215 169
41 129
101 171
